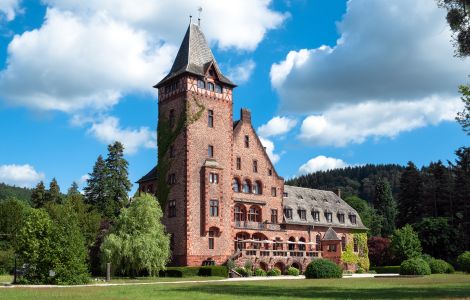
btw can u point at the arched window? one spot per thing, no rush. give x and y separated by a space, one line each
240 238
302 244
246 187
236 185
258 238
343 243
240 213
292 243
254 214
277 244
318 243
257 188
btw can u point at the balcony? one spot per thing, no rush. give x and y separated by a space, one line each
280 253
257 225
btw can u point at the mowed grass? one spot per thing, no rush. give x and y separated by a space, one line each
429 287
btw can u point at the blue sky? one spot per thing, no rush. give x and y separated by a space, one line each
329 83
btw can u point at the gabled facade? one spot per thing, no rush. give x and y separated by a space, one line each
221 195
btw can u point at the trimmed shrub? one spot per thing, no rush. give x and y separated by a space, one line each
360 270
415 266
221 271
260 272
450 269
322 268
463 261
242 271
293 271
274 272
438 266
386 269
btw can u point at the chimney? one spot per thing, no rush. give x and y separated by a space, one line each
338 192
245 115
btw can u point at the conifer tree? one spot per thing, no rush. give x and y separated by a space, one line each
409 198
385 206
118 184
38 197
53 194
96 189
462 193
437 191
73 190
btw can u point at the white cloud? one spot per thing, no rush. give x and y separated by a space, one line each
276 126
72 63
20 175
400 52
355 123
269 145
322 163
83 179
242 72
109 131
241 24
9 9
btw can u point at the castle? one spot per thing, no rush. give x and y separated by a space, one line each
221 195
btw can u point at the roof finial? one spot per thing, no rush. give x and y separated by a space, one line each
199 16
190 18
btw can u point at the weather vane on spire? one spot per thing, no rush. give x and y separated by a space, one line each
199 9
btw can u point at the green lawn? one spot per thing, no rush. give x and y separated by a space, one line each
435 286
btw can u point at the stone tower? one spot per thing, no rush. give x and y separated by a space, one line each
195 146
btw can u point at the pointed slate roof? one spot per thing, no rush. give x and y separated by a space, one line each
149 176
330 235
194 56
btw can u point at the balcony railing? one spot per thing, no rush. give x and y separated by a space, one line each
257 225
280 253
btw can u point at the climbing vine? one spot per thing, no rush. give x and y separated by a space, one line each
362 257
166 137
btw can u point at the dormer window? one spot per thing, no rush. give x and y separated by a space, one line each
288 213
329 217
211 73
210 86
341 218
302 214
352 219
201 84
316 215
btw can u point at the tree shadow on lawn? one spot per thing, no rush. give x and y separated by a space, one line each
273 291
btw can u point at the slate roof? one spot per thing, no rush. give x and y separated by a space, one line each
321 201
194 56
330 235
149 176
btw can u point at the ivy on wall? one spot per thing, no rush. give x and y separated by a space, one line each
362 257
166 137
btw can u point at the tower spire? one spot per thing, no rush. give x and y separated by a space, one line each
199 16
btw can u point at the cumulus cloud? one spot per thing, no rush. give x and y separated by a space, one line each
355 123
388 51
242 72
20 175
269 145
109 131
277 126
321 163
9 9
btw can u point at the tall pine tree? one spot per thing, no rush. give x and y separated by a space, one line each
73 190
385 206
409 198
38 197
437 191
118 183
96 188
53 194
462 193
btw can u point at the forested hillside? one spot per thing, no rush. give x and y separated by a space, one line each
8 191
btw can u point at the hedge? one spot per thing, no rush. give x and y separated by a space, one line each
463 261
274 272
415 266
260 272
220 271
386 269
439 266
293 271
322 268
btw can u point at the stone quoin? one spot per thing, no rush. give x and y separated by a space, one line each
221 195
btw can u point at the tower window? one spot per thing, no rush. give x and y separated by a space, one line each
211 239
172 151
172 209
270 172
172 179
218 88
201 84
210 118
255 166
239 163
214 208
213 178
210 86
274 216
273 191
210 151
171 118
247 141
